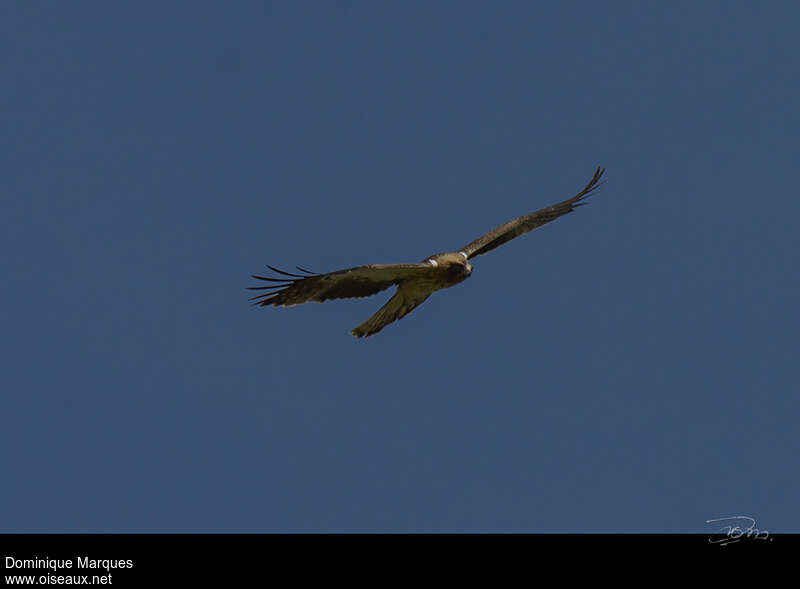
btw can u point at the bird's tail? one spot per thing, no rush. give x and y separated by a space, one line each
395 308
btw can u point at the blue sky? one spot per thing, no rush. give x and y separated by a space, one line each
631 367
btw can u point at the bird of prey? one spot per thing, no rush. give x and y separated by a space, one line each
415 281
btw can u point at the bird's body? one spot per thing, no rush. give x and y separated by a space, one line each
415 281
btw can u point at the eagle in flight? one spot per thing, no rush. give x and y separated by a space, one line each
415 282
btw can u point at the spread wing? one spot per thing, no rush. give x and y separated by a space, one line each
515 227
359 281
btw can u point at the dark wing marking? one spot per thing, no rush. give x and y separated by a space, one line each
522 224
360 281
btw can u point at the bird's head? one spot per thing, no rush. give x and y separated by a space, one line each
452 264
